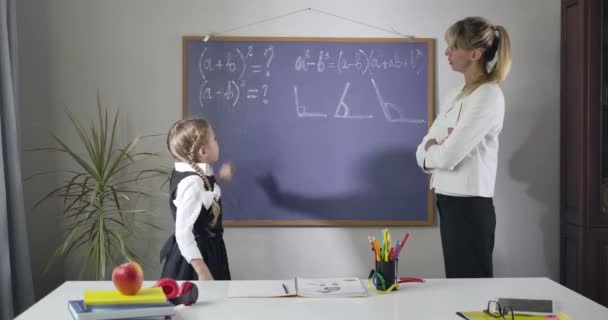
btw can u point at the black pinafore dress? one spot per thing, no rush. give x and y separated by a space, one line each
209 239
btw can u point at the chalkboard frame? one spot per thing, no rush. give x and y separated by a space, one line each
430 217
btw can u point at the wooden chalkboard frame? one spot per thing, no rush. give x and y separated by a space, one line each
430 219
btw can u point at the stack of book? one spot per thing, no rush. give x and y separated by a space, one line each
148 303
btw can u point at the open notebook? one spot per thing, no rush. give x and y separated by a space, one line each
298 287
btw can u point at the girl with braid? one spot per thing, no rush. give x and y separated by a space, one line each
196 251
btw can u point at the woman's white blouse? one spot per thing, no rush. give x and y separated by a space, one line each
464 163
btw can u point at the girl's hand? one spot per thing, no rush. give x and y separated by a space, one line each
227 171
202 271
204 276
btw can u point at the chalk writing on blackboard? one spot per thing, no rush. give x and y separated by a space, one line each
392 112
301 109
366 63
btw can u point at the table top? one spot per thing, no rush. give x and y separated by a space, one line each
434 299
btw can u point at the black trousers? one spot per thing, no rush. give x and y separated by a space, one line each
467 227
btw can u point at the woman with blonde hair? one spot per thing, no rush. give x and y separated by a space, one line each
460 150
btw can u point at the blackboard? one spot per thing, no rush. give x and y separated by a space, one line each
323 131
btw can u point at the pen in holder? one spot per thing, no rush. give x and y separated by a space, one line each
388 271
383 278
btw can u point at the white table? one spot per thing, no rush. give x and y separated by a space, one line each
435 299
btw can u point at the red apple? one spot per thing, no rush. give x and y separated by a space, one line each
128 278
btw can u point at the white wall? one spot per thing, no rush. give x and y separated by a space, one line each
131 51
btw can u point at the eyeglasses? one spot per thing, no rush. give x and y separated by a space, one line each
495 310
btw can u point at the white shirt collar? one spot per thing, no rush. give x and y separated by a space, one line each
185 167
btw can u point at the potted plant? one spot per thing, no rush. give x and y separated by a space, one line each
98 194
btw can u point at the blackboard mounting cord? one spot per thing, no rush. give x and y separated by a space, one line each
391 30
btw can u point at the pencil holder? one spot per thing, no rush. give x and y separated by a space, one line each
388 271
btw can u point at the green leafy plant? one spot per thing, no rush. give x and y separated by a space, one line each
97 195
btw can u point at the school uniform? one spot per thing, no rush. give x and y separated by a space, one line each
195 235
463 175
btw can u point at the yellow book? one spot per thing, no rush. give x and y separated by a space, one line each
113 297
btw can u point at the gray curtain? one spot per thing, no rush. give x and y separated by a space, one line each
16 288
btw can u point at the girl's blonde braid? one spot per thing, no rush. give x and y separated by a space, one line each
215 206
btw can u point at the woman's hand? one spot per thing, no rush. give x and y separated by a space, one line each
227 171
450 131
429 144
